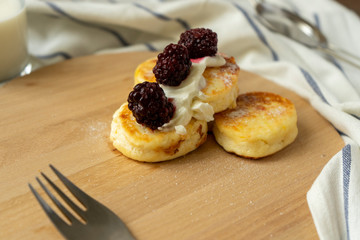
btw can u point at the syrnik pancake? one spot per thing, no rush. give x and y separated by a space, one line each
221 87
144 144
260 125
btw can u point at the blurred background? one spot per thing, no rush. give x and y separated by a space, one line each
352 4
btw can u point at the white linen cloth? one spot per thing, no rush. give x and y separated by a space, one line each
60 29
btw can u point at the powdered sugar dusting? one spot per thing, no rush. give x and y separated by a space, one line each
238 113
96 129
277 111
228 80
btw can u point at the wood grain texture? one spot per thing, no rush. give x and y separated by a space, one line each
61 115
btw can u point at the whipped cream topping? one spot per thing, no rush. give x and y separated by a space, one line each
188 98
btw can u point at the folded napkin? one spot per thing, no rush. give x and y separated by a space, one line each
61 29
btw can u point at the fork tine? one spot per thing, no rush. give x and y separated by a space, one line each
61 207
75 207
57 221
77 192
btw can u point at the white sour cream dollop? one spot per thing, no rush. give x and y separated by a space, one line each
188 98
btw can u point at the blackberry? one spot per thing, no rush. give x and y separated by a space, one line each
200 42
173 65
149 105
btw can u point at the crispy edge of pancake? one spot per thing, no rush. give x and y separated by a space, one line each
143 71
261 124
143 144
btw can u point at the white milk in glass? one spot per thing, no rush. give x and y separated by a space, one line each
13 46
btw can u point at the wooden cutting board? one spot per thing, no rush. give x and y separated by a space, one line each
61 115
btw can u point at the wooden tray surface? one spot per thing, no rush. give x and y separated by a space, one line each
61 114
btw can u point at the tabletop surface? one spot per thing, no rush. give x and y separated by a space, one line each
61 115
351 4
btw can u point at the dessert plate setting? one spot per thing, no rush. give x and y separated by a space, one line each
62 114
207 187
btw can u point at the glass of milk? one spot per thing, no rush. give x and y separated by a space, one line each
14 57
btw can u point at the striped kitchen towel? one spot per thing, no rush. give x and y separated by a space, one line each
63 29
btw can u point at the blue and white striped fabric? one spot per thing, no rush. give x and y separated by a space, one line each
61 29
